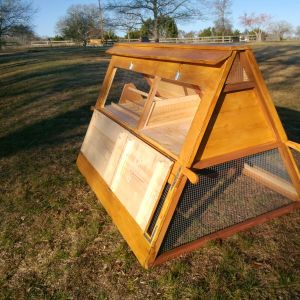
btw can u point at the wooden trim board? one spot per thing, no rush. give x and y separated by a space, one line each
226 232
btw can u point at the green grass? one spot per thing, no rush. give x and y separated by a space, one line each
57 242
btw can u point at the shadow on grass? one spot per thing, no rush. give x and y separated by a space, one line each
51 131
291 122
47 132
282 61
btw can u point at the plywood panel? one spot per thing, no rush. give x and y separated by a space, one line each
139 179
133 170
173 110
170 136
239 124
104 147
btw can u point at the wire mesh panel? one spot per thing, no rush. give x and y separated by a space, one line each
296 156
227 194
158 209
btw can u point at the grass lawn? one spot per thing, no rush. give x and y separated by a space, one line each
57 242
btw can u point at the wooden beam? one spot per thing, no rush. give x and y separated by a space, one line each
226 232
203 115
143 93
271 181
234 155
149 104
240 86
293 145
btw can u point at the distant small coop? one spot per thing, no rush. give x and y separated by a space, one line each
185 146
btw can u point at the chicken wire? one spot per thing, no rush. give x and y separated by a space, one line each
224 196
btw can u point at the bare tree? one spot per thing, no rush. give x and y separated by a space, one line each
222 11
101 19
279 29
14 13
140 11
255 22
79 23
297 32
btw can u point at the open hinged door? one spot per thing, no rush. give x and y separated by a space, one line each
124 162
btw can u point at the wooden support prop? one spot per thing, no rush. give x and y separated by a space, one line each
192 176
271 181
293 145
143 93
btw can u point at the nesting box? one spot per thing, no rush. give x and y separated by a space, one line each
185 146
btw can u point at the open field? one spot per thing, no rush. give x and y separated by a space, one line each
57 242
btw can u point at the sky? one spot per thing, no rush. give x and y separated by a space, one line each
50 11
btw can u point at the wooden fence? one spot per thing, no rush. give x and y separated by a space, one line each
198 40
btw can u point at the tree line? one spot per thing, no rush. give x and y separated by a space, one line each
142 19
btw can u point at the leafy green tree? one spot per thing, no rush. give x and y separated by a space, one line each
110 35
167 28
58 38
171 28
209 31
134 34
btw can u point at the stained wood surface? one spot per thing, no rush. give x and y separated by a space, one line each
219 109
211 57
126 224
133 170
239 124
170 136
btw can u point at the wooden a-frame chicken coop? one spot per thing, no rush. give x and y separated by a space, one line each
185 146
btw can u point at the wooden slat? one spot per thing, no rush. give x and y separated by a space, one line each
234 155
271 181
106 85
226 232
143 93
293 145
129 95
149 104
166 213
240 86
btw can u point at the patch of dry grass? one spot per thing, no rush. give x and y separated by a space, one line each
57 242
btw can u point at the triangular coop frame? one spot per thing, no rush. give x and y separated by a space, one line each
185 146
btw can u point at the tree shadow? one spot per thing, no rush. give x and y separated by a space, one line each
47 132
291 122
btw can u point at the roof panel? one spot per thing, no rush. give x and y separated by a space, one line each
197 54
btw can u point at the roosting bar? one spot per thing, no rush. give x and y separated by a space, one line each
185 146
